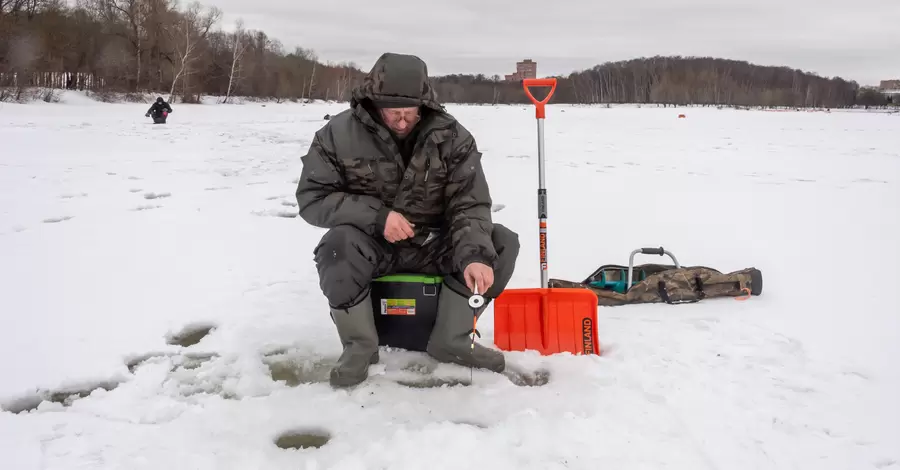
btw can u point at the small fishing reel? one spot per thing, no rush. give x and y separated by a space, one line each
476 300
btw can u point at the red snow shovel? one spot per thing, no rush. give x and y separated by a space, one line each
547 320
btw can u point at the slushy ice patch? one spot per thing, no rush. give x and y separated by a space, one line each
64 396
303 439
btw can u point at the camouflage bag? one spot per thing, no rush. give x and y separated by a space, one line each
672 284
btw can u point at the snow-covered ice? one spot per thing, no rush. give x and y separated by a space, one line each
122 243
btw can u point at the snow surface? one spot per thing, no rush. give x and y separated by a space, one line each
116 235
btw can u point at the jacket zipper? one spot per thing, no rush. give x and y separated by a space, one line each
423 137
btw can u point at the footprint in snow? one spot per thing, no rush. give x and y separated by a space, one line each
857 374
146 207
869 180
289 203
156 195
475 424
54 220
135 190
72 195
276 213
217 188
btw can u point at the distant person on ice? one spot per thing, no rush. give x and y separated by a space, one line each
159 111
399 184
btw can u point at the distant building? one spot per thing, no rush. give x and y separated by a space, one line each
890 89
528 69
524 69
889 85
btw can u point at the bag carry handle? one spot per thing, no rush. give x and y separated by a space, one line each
646 251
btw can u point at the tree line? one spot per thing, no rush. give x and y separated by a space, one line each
154 45
675 81
134 46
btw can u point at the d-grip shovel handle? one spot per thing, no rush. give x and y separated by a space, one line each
542 191
539 105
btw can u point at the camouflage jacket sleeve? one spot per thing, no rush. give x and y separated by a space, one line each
469 206
322 200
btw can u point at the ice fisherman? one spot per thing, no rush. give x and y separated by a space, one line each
399 185
159 110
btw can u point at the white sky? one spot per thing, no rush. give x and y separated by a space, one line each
857 40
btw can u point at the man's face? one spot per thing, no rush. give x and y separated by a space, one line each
400 120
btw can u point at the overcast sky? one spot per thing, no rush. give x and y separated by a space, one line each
857 40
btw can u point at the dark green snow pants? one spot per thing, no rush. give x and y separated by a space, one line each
348 259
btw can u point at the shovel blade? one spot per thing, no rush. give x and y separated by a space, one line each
547 320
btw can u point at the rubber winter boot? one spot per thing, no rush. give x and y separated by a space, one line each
450 339
356 328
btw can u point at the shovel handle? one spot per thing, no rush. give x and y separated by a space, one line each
539 105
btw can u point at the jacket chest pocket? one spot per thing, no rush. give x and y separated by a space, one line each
362 175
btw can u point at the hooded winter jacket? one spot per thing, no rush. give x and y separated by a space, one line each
354 172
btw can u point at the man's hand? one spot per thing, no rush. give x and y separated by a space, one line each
397 228
480 275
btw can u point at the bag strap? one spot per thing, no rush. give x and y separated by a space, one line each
664 294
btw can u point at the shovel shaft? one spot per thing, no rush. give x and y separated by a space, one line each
542 205
542 176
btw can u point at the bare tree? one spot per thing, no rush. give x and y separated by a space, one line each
126 17
238 46
193 28
312 81
343 81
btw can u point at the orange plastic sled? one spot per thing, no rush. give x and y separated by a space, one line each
547 320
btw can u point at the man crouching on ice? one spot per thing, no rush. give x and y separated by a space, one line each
399 184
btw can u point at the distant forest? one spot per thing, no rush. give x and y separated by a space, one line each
134 46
